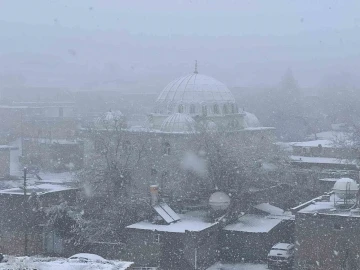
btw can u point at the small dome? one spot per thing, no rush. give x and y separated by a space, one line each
345 187
219 201
178 123
251 120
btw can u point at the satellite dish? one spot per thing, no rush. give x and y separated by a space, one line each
345 188
219 201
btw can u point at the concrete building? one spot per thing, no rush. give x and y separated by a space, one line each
21 219
327 230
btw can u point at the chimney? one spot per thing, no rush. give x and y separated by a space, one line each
154 192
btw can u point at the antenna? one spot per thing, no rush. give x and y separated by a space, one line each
196 71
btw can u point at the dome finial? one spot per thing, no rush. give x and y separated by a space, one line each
196 71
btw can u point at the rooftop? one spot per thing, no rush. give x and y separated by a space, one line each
193 221
322 160
318 206
38 189
256 223
195 88
316 143
270 209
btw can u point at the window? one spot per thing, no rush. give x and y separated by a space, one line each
216 109
181 108
167 148
204 110
225 109
192 109
232 108
156 238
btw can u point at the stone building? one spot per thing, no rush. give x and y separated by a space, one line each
196 125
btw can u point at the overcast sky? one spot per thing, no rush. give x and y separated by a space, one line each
245 43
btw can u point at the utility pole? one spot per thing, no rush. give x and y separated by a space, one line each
22 133
25 215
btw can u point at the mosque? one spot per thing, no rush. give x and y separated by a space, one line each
197 98
175 153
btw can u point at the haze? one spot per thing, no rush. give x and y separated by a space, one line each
141 45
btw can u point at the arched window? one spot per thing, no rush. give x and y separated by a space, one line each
225 109
216 109
166 148
192 109
204 110
181 108
232 108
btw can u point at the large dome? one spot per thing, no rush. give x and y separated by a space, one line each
196 94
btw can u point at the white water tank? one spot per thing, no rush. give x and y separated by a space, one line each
345 188
219 201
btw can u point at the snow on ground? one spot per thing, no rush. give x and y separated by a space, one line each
15 263
239 266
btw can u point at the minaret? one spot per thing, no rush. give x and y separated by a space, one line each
196 71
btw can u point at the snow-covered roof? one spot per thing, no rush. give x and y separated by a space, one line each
51 141
322 160
238 266
195 88
270 209
178 123
327 207
7 147
318 206
254 223
315 143
38 189
330 135
331 180
258 128
49 263
192 221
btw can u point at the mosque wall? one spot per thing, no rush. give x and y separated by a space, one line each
177 162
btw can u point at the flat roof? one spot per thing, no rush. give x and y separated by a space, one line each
193 221
270 209
316 143
322 160
332 180
38 189
317 206
255 223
